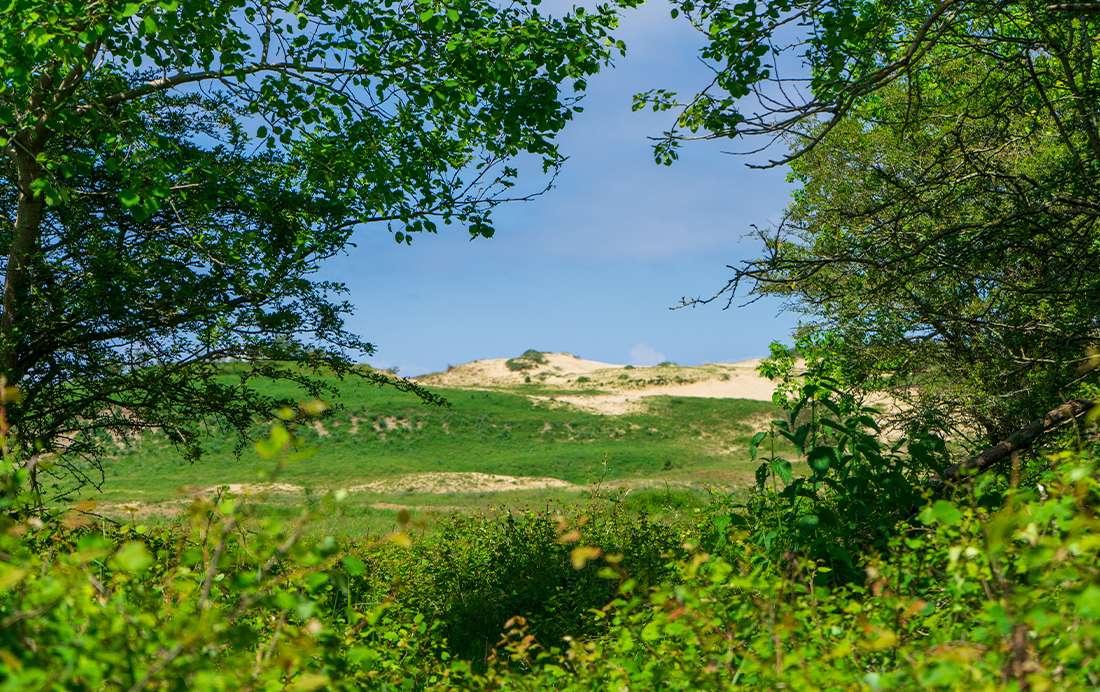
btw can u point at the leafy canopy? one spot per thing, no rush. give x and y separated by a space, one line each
177 171
942 242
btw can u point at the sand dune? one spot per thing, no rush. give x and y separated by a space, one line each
623 388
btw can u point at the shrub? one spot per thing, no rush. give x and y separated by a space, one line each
535 356
519 365
530 360
962 598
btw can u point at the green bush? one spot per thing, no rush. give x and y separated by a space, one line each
535 356
485 570
963 598
530 360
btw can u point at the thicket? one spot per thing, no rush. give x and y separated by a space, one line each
856 577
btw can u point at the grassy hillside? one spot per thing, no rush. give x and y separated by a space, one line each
379 433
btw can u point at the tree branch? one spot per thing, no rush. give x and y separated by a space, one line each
1017 441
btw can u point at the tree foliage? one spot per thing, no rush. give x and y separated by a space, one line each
177 171
942 241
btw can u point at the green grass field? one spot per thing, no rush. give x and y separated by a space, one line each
664 456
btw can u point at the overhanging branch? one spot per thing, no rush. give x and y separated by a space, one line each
1016 442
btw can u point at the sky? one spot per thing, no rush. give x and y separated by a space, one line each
593 266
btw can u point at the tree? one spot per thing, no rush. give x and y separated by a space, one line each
943 243
177 171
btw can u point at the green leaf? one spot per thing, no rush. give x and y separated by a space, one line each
808 523
942 511
132 557
129 198
353 566
762 475
755 443
822 457
800 436
1088 602
782 469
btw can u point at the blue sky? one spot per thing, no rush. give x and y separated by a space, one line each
593 266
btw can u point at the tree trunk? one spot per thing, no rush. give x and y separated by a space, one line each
24 245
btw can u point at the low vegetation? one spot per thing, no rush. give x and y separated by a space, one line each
983 585
378 433
530 360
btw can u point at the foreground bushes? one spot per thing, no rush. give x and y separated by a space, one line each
962 597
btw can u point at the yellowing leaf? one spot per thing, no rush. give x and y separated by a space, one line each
1091 361
582 554
570 537
913 608
11 577
309 682
76 520
842 649
314 407
11 395
884 640
10 661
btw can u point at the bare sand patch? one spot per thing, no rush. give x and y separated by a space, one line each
455 482
607 404
254 488
495 372
715 381
138 510
416 508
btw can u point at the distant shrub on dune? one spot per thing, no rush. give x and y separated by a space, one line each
530 360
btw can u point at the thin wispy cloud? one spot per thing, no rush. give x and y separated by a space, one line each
645 356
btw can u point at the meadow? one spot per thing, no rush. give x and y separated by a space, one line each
398 453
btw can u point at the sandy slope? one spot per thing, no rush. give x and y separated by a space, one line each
624 388
495 372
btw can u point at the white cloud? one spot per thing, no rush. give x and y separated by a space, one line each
646 355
